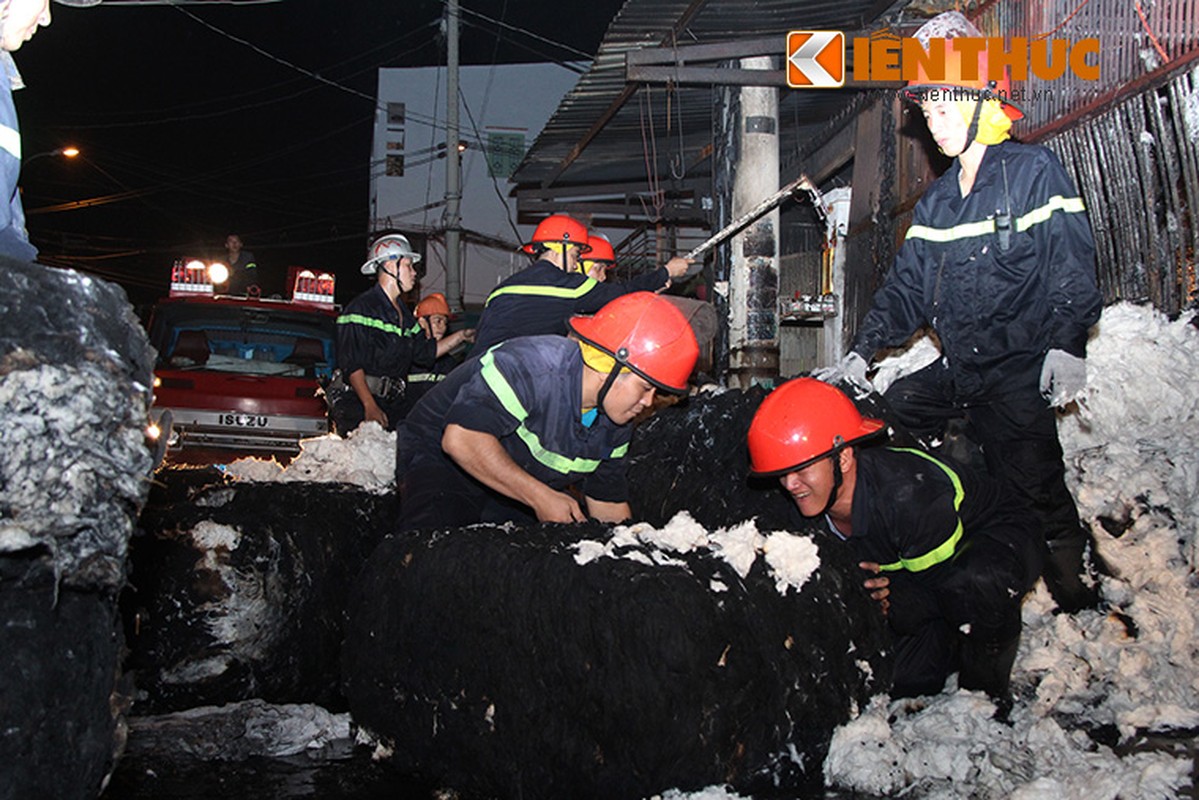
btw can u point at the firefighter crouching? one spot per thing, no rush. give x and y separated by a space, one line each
379 341
507 432
949 556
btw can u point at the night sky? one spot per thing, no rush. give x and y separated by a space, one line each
192 127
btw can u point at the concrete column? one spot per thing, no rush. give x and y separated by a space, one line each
836 209
754 273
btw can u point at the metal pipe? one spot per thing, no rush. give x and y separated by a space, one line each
453 165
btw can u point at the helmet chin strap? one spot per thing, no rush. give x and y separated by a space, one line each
385 271
837 478
972 131
617 366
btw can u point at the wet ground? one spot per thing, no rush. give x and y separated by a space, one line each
142 777
353 775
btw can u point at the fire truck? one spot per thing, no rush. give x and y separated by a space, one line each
240 374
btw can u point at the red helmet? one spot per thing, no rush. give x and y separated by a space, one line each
601 248
559 228
433 304
646 334
800 423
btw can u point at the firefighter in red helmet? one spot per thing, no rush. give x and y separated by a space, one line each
541 298
1000 262
503 436
599 259
949 556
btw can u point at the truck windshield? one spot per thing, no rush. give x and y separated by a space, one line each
245 339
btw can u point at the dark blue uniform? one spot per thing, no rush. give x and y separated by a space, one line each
527 392
372 335
1002 275
244 273
541 298
14 239
421 380
958 551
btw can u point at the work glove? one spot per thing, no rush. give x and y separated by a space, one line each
1063 377
849 372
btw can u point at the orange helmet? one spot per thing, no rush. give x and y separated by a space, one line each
800 423
646 334
433 304
601 248
558 228
946 27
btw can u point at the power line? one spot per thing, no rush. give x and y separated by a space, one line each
527 32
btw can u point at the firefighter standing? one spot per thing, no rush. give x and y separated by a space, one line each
542 297
379 340
950 557
19 21
433 315
244 276
1000 262
504 435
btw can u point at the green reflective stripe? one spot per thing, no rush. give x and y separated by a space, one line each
424 377
378 324
546 291
966 230
1070 205
501 388
503 392
946 549
621 451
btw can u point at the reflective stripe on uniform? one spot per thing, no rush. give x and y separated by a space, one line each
504 393
968 230
563 292
10 141
945 550
425 377
1070 205
378 324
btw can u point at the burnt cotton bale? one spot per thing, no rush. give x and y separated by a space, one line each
75 373
586 662
238 590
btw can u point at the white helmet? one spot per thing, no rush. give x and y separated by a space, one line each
393 246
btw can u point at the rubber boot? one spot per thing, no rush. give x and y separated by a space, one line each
987 666
1065 566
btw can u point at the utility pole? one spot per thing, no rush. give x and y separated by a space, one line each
453 166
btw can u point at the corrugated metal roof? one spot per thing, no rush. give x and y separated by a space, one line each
660 132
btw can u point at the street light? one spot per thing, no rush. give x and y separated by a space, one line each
66 152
